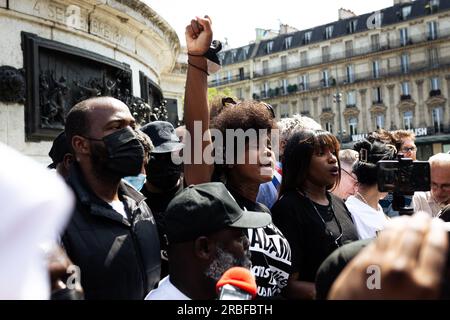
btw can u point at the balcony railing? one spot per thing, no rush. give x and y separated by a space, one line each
383 46
236 78
362 76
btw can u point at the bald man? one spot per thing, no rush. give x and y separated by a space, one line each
439 196
112 236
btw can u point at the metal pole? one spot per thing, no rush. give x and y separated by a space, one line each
338 97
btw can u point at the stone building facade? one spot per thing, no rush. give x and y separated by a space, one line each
387 69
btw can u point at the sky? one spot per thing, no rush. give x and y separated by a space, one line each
236 20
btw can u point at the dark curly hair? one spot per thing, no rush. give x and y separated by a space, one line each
244 115
370 153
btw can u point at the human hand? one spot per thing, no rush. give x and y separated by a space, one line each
410 255
199 36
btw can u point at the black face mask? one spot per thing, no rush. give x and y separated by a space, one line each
122 153
162 172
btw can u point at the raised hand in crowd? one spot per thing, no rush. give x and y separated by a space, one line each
408 258
198 39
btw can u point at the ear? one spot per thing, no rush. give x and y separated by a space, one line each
68 160
204 248
80 145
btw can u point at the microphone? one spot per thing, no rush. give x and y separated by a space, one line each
237 283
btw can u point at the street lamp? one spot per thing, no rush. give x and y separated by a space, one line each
337 98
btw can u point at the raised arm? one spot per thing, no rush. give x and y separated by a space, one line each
198 39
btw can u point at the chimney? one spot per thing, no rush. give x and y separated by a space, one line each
345 14
401 1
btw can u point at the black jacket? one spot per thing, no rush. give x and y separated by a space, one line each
118 258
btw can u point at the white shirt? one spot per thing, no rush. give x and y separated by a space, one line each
367 220
423 201
118 206
35 206
166 291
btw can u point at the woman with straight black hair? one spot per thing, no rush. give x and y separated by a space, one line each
364 205
314 221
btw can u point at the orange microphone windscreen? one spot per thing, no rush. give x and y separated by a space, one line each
240 278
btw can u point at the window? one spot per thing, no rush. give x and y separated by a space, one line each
303 58
328 32
229 76
307 37
408 120
246 51
304 82
266 89
327 101
404 63
306 107
405 88
233 56
379 121
348 48
269 47
377 95
283 63
432 6
284 111
265 67
375 42
438 119
353 126
403 36
432 30
435 85
287 42
352 26
217 78
350 74
241 74
406 12
239 93
433 58
351 98
325 78
329 127
376 69
325 54
284 85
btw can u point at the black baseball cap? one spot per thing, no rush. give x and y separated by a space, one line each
59 149
163 136
202 209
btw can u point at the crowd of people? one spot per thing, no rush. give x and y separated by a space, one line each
306 217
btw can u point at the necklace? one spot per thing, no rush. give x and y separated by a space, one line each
330 233
360 196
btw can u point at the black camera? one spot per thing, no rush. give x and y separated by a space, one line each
403 177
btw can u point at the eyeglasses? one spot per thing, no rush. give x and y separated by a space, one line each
351 176
409 149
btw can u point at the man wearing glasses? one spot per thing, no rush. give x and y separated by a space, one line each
439 196
348 184
405 143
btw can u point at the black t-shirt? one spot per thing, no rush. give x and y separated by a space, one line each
158 203
271 253
311 241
